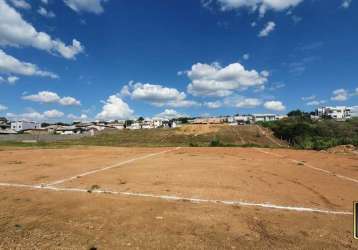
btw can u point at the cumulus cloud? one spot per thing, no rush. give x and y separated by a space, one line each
16 32
81 117
12 79
46 13
2 108
9 79
115 108
215 80
11 65
340 95
54 113
52 97
258 5
274 105
213 105
346 3
242 102
21 4
169 114
315 102
270 26
157 95
69 101
92 6
308 98
33 115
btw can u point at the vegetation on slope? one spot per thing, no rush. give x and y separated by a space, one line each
300 131
215 135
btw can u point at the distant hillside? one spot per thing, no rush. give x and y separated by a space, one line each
188 135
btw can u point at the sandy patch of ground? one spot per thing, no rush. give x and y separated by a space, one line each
48 219
199 129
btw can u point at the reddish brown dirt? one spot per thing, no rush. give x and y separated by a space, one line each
40 219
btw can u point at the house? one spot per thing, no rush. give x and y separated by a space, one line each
68 130
264 117
24 125
243 119
135 126
338 113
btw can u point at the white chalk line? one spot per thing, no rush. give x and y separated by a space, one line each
304 164
178 198
110 167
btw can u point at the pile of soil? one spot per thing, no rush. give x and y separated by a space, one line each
345 149
199 129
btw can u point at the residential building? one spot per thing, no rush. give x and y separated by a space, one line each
24 125
339 113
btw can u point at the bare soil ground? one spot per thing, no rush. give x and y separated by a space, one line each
140 212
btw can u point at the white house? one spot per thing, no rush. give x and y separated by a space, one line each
24 125
339 113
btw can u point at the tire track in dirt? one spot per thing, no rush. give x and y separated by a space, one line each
323 198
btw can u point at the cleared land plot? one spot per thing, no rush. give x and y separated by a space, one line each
36 166
227 174
40 218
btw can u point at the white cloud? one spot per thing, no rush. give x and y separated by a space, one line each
43 12
69 101
308 98
44 1
270 26
43 97
242 102
52 97
274 105
115 108
33 115
315 102
53 114
21 4
214 80
340 95
346 3
2 108
169 114
93 6
261 5
12 79
213 105
157 95
81 117
15 31
10 64
246 56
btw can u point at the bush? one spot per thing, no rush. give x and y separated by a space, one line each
215 142
302 132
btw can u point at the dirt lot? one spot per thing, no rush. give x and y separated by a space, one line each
176 198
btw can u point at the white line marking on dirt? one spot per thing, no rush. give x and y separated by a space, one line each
304 164
178 198
110 167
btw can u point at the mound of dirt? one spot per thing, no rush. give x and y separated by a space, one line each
345 149
199 129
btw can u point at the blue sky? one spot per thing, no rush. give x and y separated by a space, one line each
114 59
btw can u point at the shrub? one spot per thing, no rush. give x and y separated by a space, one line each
215 142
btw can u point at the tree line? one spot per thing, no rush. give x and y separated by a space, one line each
300 131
